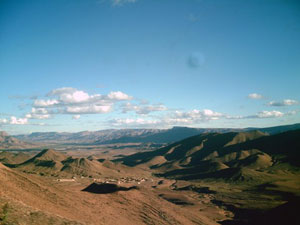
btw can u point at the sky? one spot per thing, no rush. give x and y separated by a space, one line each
75 65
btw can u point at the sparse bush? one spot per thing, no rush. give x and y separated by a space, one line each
4 213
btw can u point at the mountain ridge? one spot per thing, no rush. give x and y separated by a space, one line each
112 136
216 155
9 142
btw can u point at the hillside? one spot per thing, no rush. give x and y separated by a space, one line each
9 142
7 157
35 200
231 155
51 162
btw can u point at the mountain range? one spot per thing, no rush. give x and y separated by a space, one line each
232 155
137 135
9 142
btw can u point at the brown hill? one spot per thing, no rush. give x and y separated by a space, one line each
7 157
26 197
51 162
82 167
36 200
216 155
47 161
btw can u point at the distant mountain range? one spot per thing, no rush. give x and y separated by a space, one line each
9 142
233 155
137 135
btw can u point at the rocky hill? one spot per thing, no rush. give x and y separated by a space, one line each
51 162
232 155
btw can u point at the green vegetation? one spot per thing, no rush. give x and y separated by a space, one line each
4 214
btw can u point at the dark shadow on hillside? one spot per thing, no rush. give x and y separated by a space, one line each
200 190
287 213
106 188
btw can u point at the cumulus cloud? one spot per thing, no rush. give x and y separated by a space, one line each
255 96
45 103
198 115
14 121
69 95
18 121
68 100
76 117
38 113
286 102
195 60
118 95
143 109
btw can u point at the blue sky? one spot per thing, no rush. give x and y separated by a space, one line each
73 65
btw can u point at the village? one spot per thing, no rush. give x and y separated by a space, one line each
122 180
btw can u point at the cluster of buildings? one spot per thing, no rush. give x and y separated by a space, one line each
123 180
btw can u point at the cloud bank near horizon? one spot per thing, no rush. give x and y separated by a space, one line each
126 111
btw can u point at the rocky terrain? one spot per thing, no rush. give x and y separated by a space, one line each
210 178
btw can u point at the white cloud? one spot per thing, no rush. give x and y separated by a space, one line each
128 122
72 101
14 121
69 95
62 90
45 103
286 102
180 118
38 113
198 115
260 115
255 96
264 115
118 95
76 117
3 121
269 114
37 116
18 121
75 97
90 109
143 109
121 2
